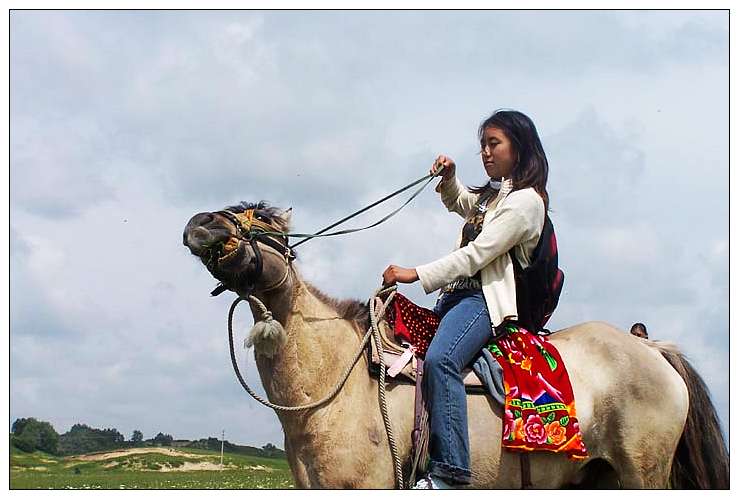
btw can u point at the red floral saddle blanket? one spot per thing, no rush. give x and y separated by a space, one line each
539 403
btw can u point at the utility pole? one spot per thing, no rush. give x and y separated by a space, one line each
223 436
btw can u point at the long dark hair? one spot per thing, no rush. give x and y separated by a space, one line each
532 168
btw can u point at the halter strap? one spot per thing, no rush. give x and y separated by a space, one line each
247 221
252 230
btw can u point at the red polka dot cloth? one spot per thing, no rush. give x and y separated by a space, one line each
411 323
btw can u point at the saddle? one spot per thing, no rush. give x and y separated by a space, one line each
405 366
402 362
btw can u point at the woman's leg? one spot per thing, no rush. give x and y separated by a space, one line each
464 330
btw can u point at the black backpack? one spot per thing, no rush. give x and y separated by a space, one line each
539 285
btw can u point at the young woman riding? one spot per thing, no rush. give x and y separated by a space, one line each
477 279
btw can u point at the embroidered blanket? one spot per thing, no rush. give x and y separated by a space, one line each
539 404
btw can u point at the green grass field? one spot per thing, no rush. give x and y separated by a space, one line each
149 468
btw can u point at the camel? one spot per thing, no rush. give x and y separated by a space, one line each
640 404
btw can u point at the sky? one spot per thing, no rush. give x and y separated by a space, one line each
124 124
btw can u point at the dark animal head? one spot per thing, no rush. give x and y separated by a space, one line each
242 246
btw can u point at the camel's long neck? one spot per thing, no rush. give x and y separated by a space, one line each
319 346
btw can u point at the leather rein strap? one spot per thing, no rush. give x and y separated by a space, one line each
525 470
420 433
322 232
253 230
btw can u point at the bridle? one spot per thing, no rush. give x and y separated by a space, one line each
250 230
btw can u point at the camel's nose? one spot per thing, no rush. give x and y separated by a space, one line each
200 219
196 236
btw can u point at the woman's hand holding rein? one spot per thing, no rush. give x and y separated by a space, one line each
448 165
395 274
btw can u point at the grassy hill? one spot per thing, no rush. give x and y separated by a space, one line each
147 468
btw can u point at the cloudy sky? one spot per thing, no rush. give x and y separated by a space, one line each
125 124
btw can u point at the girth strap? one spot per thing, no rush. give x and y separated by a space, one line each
420 434
525 470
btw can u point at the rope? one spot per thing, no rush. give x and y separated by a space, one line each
266 316
397 466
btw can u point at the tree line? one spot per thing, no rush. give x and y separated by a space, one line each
30 434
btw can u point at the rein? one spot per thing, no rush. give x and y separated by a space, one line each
253 230
320 233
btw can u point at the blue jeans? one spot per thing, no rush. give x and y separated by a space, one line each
464 331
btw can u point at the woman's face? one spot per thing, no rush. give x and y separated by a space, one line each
498 154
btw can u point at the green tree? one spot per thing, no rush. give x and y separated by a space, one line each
82 439
19 424
29 435
162 439
25 442
137 437
112 436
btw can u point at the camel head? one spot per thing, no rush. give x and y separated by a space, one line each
242 246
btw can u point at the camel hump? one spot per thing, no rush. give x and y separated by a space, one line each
597 342
596 328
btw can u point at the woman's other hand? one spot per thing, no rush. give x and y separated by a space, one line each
395 274
444 162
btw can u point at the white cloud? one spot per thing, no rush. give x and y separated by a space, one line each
123 125
628 245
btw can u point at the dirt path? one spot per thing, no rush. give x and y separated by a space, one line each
139 450
204 463
203 466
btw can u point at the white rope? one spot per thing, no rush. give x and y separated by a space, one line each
373 331
397 465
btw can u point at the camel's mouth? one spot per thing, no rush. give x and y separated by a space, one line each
229 254
221 253
212 240
228 261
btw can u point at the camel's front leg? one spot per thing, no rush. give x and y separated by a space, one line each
297 468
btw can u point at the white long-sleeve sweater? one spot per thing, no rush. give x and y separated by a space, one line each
512 220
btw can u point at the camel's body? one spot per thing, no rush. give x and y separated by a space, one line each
634 425
631 395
